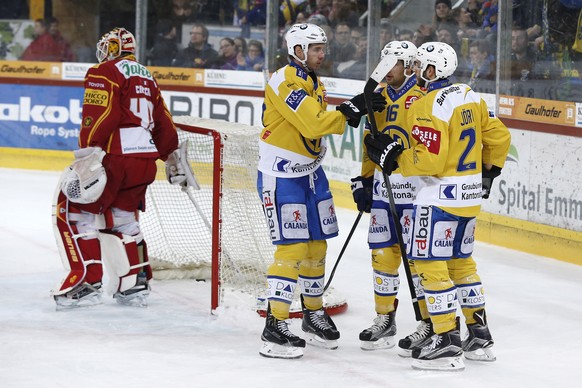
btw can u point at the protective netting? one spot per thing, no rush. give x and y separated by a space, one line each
178 226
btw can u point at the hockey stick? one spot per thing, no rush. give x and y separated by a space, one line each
343 250
385 65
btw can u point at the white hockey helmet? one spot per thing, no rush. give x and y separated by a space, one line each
440 55
115 43
402 50
304 35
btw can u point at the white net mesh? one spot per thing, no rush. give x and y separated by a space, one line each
178 226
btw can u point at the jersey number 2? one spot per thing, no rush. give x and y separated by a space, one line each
464 164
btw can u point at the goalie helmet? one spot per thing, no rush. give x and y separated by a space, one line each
402 50
115 43
438 54
303 35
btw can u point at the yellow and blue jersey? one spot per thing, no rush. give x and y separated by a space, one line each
295 121
452 134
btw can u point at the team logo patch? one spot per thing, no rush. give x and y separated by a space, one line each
443 238
294 219
96 97
409 101
295 98
281 164
327 217
428 136
448 192
87 121
379 230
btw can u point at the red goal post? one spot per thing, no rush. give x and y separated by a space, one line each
217 233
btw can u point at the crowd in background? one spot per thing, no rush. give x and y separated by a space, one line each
545 43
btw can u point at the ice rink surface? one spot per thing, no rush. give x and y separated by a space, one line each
533 304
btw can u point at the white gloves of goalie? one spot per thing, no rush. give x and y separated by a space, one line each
178 169
84 180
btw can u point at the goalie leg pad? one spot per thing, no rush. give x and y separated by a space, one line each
76 236
122 259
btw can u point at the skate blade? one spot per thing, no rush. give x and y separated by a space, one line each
63 303
406 353
381 343
272 350
483 354
440 364
139 299
319 342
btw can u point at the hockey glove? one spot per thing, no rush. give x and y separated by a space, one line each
383 150
178 170
487 177
355 108
84 181
362 192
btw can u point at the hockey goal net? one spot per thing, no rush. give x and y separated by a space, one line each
218 233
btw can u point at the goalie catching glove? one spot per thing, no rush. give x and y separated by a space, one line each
178 170
84 181
487 177
355 108
362 193
383 150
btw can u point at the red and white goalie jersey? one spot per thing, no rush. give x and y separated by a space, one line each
124 113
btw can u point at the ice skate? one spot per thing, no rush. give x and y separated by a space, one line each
444 352
320 329
477 345
279 341
418 339
83 295
137 295
381 334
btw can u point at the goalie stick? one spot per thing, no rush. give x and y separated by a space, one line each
386 64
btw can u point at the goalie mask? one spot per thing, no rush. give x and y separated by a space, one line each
115 43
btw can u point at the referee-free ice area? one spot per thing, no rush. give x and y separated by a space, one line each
532 302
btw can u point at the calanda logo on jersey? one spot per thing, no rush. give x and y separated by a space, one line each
376 227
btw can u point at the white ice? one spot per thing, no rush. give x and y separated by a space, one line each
533 305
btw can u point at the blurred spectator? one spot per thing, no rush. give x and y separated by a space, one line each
165 48
424 33
254 14
182 12
291 8
341 48
447 33
322 7
483 66
199 54
49 46
442 12
39 28
241 45
355 68
466 28
405 34
356 33
319 20
255 60
523 58
387 32
489 30
475 9
227 60
281 57
342 11
301 17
